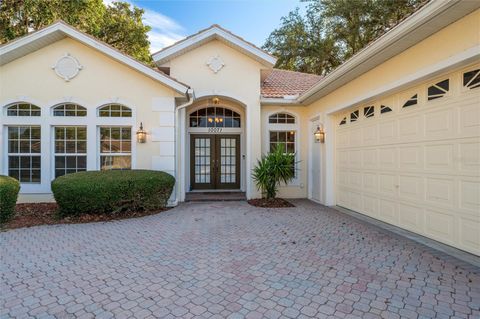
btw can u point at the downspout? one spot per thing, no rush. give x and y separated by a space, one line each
191 98
180 147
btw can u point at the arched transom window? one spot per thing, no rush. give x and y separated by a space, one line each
23 109
69 109
281 118
114 110
214 117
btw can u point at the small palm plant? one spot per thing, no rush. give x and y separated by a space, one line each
273 169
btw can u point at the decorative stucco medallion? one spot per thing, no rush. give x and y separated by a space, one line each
215 63
67 67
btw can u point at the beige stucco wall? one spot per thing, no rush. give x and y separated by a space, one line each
102 80
239 80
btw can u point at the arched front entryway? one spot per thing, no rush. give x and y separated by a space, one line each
214 145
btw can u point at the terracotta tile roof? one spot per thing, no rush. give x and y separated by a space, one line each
282 82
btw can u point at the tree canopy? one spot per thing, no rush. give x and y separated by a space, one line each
331 31
118 24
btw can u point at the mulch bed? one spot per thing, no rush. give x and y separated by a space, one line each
35 214
270 203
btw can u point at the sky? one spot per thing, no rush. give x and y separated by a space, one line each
173 20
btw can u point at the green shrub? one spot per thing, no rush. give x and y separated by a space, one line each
273 169
9 188
109 192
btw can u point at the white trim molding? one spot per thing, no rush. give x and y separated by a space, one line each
67 67
218 33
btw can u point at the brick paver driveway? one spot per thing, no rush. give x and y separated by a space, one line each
218 260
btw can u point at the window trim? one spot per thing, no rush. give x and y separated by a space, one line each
204 107
287 127
17 103
288 116
55 154
83 108
104 105
27 154
47 121
98 151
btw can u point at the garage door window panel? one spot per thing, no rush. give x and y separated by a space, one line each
471 79
411 101
354 116
385 109
369 111
438 90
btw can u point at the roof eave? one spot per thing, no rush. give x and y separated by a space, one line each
420 25
214 32
60 29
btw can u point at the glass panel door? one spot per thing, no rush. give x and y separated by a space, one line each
201 166
227 161
215 162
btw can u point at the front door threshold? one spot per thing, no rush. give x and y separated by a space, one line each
210 196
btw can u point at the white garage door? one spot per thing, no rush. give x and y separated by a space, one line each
413 159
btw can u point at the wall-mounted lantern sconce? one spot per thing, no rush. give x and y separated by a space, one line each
141 134
319 135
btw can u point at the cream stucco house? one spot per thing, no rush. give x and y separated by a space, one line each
401 118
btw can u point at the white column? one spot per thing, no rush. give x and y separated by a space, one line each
46 172
92 146
329 161
180 154
254 149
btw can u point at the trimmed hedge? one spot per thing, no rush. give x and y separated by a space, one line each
109 192
9 188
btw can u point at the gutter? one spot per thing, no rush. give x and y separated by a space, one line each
279 101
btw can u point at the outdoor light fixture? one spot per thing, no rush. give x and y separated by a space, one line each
141 134
319 135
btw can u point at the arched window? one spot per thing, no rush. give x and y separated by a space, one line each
114 110
281 118
214 117
23 109
69 109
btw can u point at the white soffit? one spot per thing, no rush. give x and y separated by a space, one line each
433 17
215 32
60 30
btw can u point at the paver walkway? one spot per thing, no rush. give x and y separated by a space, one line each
230 260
